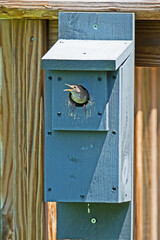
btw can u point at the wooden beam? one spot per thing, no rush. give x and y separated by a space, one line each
46 9
147 43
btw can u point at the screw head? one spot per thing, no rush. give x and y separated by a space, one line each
95 26
93 220
32 39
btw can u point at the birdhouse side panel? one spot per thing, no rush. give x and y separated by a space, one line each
126 125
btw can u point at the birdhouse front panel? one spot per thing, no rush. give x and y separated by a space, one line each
88 156
91 113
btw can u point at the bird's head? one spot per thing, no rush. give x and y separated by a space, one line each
78 94
73 88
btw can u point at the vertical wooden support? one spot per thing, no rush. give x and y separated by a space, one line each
147 154
23 94
139 155
6 129
52 32
153 163
28 128
52 221
158 145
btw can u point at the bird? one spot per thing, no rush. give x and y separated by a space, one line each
78 95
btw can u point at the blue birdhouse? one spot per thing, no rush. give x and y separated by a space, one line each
89 99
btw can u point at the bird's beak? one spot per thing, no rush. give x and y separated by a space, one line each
71 88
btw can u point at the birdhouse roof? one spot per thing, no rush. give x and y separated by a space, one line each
95 55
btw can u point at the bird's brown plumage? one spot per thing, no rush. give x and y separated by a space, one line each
78 94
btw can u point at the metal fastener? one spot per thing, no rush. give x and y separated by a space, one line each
93 220
32 39
95 26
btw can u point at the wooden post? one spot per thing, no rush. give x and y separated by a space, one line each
6 129
153 163
23 44
139 155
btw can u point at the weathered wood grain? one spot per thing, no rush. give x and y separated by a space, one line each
147 137
147 43
153 122
22 128
6 129
47 9
28 97
158 145
138 189
52 221
52 32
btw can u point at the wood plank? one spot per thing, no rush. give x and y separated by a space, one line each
153 148
46 9
29 44
6 129
52 32
23 43
52 221
147 153
158 144
147 43
138 210
96 26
